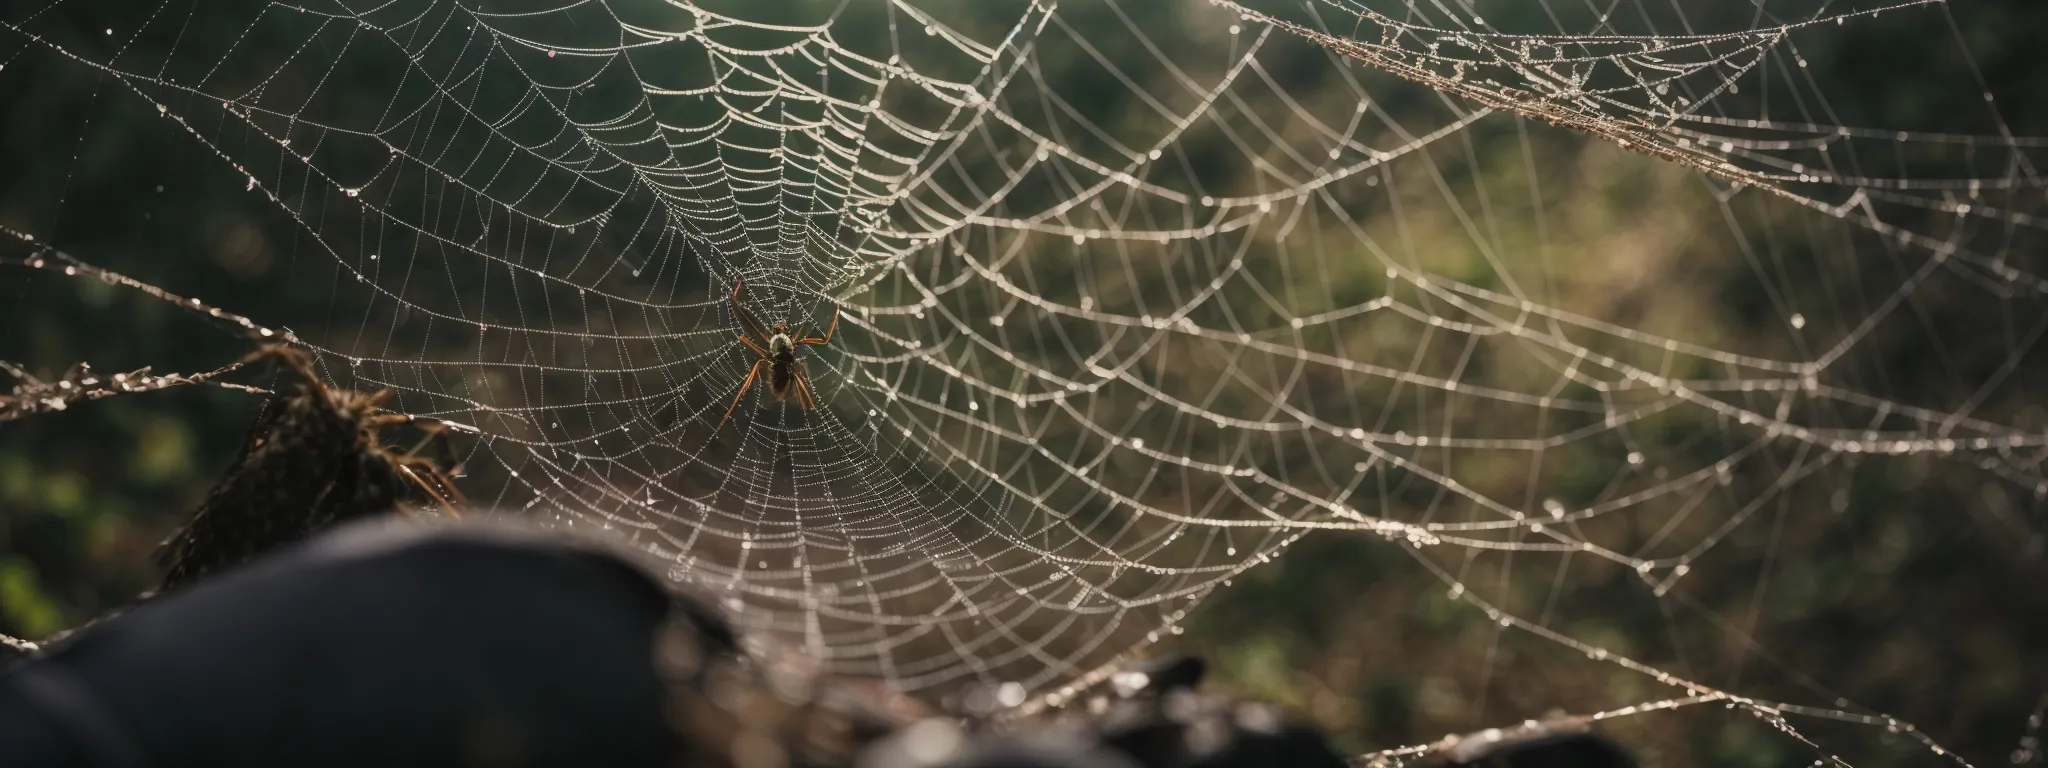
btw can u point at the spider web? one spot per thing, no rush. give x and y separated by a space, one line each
1133 296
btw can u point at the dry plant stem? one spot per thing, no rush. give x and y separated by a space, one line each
31 396
45 258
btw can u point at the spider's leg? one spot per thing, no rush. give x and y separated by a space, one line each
744 385
756 346
804 396
827 338
748 322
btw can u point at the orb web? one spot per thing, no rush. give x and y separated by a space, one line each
1131 297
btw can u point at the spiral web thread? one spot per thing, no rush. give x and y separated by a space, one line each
1133 297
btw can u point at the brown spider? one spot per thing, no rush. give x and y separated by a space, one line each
776 349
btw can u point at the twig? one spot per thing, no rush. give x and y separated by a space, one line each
31 395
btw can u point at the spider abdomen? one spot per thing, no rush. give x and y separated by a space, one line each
782 369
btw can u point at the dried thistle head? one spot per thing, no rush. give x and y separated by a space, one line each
312 459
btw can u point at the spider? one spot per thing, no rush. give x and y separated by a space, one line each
776 349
